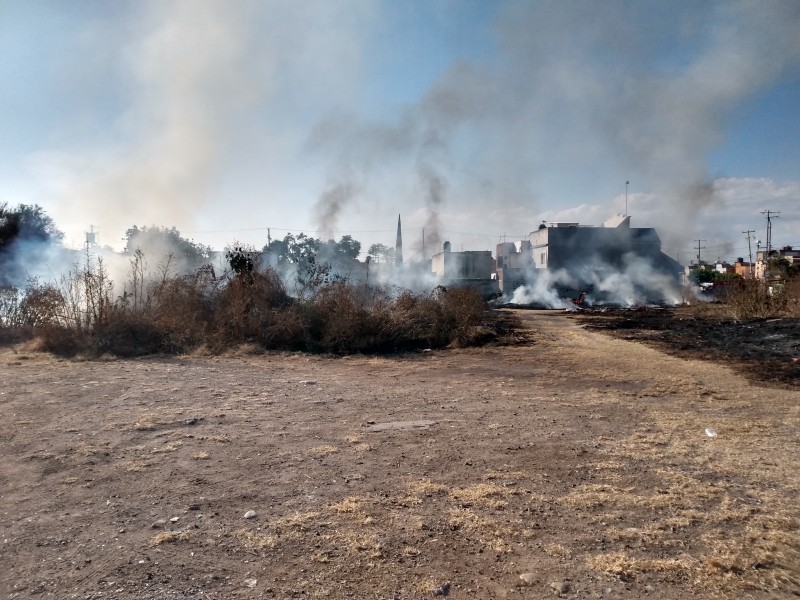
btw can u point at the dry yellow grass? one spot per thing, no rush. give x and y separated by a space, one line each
350 504
168 447
255 541
747 534
322 451
426 488
200 455
171 537
621 564
488 495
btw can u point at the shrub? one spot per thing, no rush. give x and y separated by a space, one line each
177 313
756 300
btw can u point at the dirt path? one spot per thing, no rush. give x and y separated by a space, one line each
578 461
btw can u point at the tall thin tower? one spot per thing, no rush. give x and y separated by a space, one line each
398 246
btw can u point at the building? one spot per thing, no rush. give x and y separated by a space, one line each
585 256
465 269
787 253
745 270
725 268
514 262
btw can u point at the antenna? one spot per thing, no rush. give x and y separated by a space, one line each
91 237
626 197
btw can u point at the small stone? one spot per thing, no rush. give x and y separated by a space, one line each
560 587
251 583
528 578
250 514
308 382
442 590
158 524
193 507
174 520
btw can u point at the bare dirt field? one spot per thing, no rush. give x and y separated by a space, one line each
575 465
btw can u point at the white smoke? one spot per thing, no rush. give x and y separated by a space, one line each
244 110
542 290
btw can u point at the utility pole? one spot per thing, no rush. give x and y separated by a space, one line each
771 214
699 247
269 238
751 268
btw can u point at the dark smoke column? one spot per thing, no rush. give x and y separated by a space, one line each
398 245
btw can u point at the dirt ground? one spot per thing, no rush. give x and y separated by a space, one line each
763 350
574 465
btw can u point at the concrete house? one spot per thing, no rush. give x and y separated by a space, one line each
514 262
587 253
468 269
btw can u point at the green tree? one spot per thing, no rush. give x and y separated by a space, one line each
381 253
26 222
27 235
163 242
781 268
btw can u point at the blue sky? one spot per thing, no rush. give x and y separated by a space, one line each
474 119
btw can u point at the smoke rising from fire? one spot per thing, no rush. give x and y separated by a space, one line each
247 110
586 87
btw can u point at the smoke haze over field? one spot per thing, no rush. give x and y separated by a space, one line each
473 120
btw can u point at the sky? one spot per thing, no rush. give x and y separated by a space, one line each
474 120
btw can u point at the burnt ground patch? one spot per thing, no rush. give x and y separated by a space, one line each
763 350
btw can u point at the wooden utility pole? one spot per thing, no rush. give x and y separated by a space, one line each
751 268
771 214
699 248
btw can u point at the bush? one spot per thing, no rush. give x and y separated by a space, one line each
757 300
178 313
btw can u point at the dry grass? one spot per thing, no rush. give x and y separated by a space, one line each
322 451
168 447
255 541
427 488
624 565
200 455
707 517
171 537
487 495
350 504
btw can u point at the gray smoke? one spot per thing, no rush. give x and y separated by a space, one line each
628 90
433 192
330 206
215 92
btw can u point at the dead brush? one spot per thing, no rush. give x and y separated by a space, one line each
170 313
755 300
245 307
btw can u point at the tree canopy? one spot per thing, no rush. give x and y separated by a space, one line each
162 242
302 249
26 223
